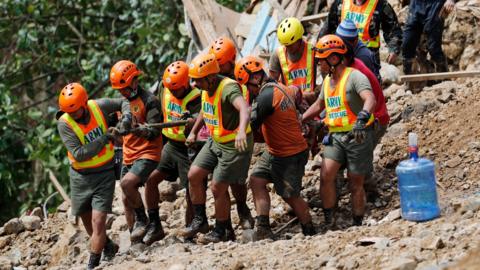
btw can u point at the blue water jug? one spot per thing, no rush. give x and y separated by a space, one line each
417 186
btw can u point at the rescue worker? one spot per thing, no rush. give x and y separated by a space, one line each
349 102
426 17
293 62
142 146
382 118
226 154
370 16
85 133
178 98
283 164
225 52
347 31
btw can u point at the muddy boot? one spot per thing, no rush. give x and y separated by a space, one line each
230 232
199 223
441 65
218 234
93 261
263 229
357 220
246 220
154 228
308 229
329 215
109 250
140 225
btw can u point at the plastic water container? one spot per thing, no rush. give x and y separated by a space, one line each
417 186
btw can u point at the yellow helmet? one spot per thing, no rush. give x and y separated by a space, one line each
289 31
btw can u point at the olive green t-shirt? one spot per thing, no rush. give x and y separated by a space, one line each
356 83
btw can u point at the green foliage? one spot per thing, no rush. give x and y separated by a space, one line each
237 5
47 43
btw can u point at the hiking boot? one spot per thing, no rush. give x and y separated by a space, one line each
198 225
93 261
262 229
246 220
308 229
329 215
154 233
109 250
140 225
357 220
222 232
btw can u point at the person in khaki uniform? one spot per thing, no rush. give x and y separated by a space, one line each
84 131
349 103
178 98
283 163
142 146
226 154
225 52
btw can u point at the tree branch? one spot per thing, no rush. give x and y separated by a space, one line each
16 86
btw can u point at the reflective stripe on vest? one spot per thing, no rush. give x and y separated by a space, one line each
212 114
88 133
339 117
246 94
173 109
298 73
362 16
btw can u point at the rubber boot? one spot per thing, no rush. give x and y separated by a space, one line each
329 214
109 250
154 229
219 233
140 225
93 261
246 220
263 229
199 223
308 229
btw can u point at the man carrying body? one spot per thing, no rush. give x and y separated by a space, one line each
349 102
177 98
227 152
84 131
142 146
275 112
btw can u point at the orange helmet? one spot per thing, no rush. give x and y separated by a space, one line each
176 75
329 44
122 74
245 67
72 97
203 65
224 50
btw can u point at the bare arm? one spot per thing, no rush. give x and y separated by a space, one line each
314 110
241 139
369 102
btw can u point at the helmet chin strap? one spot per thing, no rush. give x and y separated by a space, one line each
334 66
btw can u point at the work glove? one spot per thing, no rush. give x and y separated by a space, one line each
141 131
125 125
360 128
111 134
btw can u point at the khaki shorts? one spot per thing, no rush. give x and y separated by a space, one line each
92 191
285 173
356 157
141 168
175 163
228 166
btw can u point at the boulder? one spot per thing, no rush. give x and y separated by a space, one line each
31 223
400 263
5 263
13 226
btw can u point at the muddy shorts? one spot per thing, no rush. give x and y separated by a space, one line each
175 162
228 165
358 158
92 191
141 168
285 173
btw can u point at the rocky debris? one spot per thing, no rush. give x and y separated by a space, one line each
390 74
402 264
31 223
37 211
13 226
5 263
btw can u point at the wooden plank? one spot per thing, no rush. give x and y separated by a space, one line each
439 76
59 187
200 20
244 25
315 18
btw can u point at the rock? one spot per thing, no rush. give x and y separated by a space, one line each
63 207
432 243
445 98
119 224
13 226
390 74
378 242
175 249
71 218
2 231
5 263
109 222
37 211
247 236
4 241
143 259
177 267
472 204
454 162
400 263
392 215
167 192
31 223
